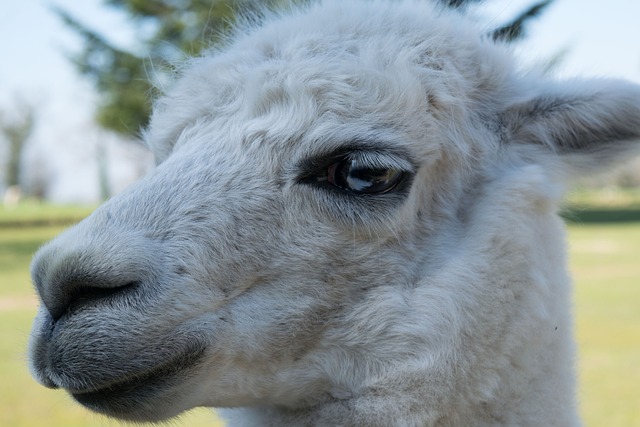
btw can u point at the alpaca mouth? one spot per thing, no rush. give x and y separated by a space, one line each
124 397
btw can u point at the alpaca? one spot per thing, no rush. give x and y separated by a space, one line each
353 222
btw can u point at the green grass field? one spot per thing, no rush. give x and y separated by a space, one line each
605 261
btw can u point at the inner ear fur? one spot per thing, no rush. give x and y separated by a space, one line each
595 121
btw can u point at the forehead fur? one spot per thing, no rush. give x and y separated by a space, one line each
346 60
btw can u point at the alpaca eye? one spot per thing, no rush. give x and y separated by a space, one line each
354 176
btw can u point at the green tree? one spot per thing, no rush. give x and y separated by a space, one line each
125 80
170 30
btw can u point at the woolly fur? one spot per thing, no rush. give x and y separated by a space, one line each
236 276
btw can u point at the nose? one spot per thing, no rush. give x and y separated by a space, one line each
68 274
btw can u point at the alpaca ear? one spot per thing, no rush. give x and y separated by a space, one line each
589 124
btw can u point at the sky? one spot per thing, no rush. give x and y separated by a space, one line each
35 47
602 38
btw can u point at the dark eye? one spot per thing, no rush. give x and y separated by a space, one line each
354 176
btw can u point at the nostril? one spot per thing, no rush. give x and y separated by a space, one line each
90 265
83 295
89 295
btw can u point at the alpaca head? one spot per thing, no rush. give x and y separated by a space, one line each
355 198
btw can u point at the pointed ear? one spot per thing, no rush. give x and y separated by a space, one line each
588 123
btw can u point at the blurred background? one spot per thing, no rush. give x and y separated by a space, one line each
76 84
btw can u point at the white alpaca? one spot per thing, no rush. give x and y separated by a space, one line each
353 223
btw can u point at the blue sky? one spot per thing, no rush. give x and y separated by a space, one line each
603 38
34 46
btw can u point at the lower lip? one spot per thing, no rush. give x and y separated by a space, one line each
129 395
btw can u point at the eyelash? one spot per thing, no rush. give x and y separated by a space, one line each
361 173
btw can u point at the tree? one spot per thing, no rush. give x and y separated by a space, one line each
175 29
16 129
